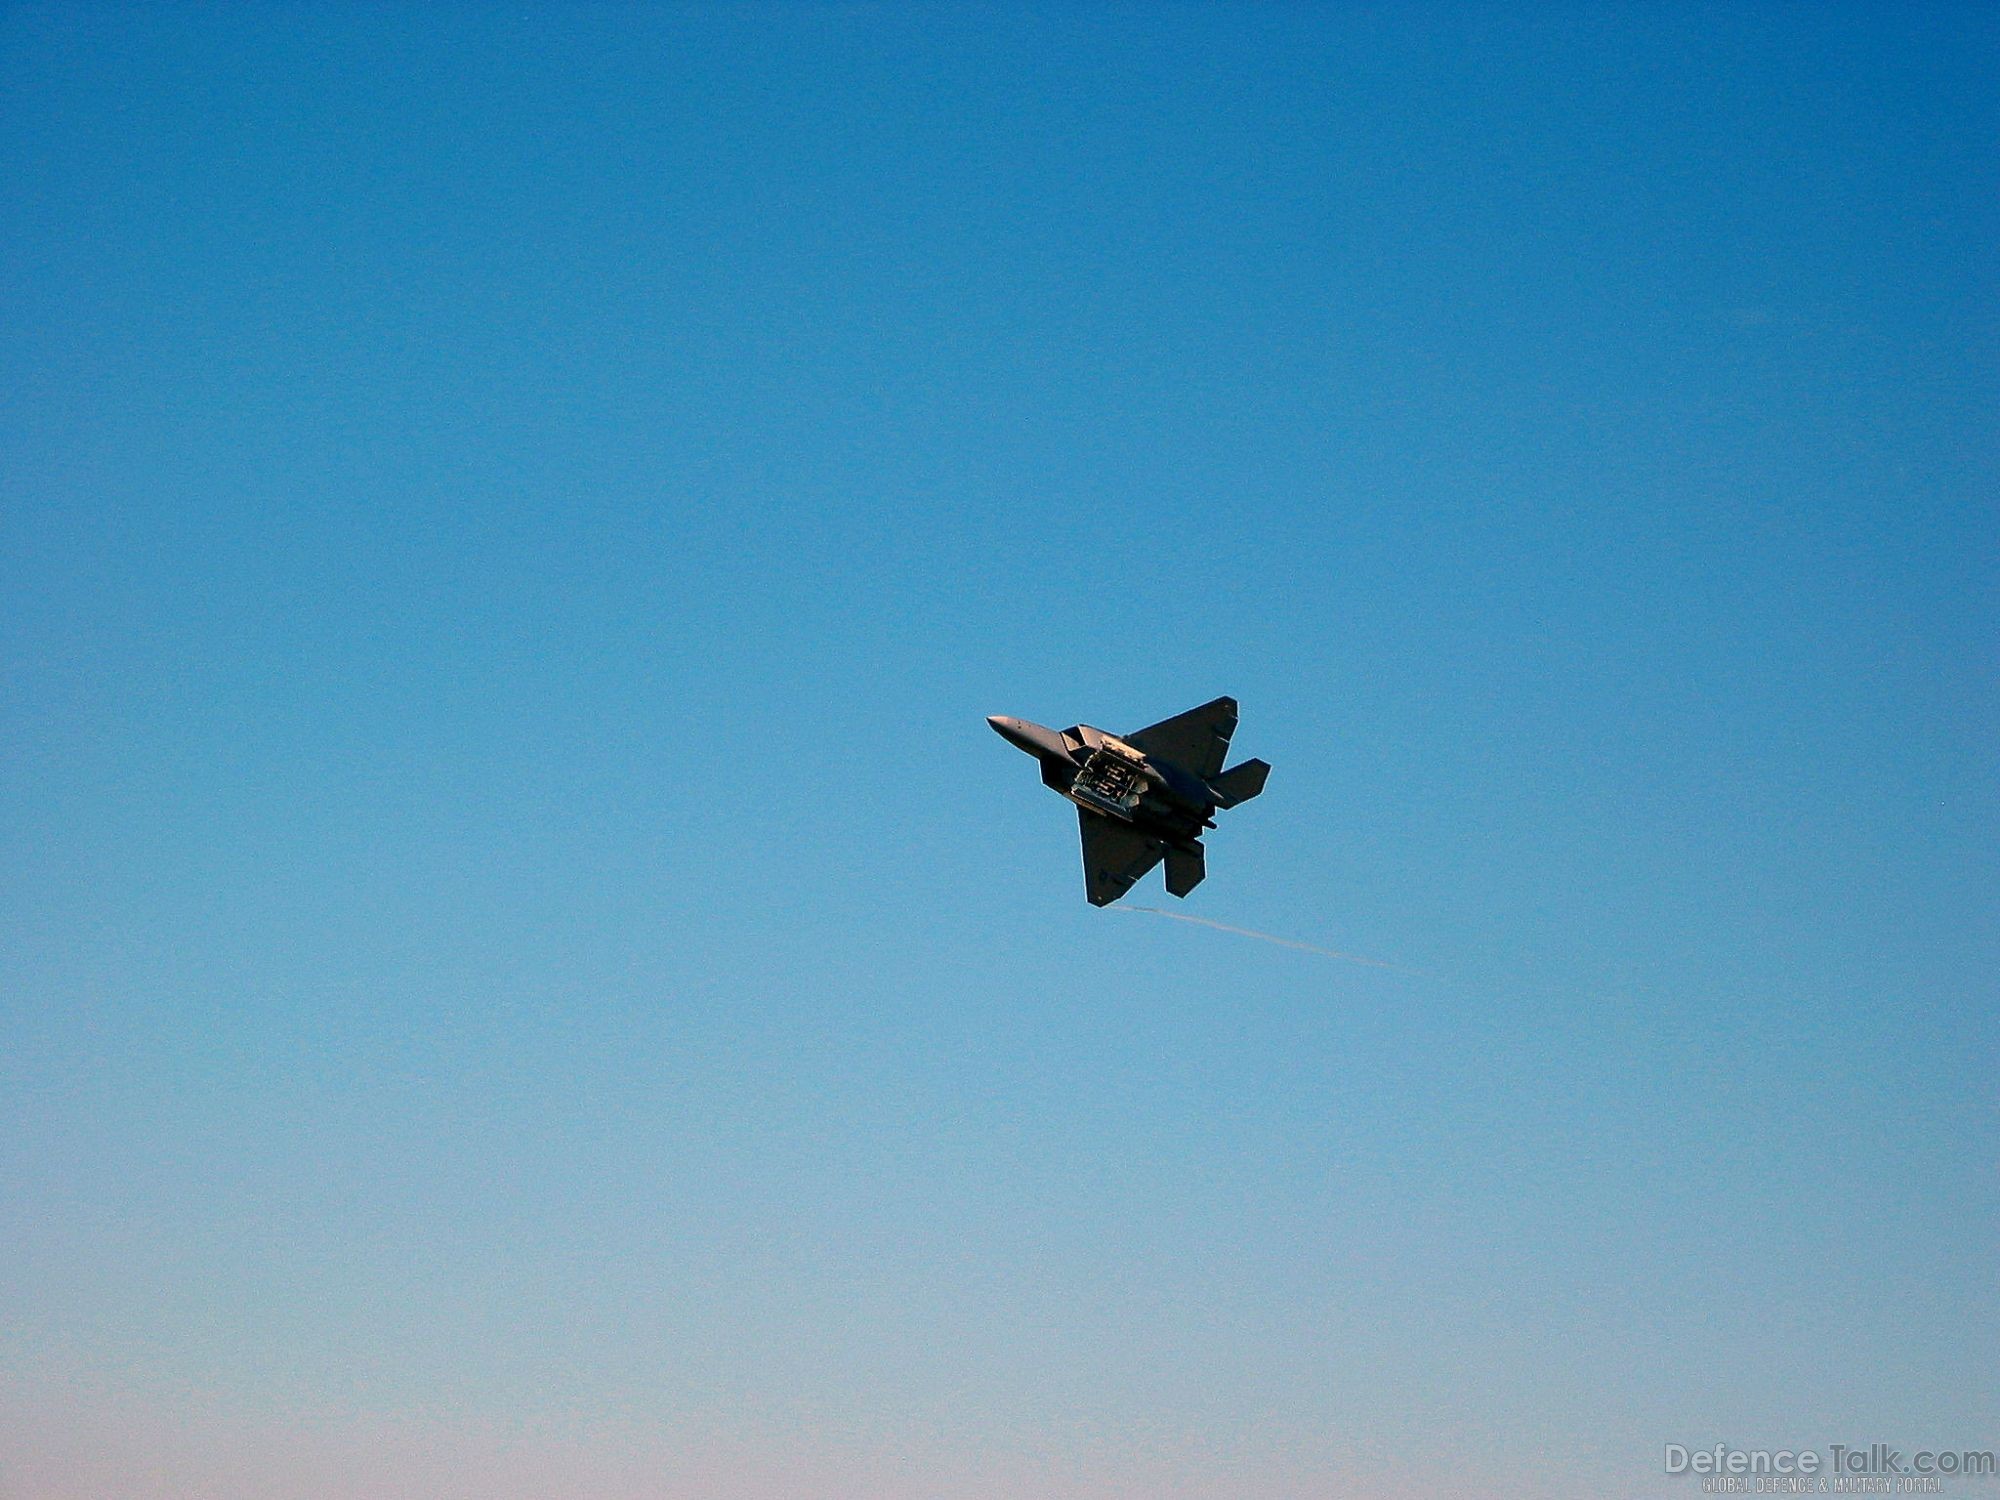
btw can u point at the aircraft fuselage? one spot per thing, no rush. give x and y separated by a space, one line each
1161 804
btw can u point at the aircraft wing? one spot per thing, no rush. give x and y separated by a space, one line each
1115 855
1195 741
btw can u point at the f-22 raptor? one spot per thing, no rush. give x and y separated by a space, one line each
1145 797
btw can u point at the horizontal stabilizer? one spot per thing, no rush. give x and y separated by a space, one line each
1184 869
1240 783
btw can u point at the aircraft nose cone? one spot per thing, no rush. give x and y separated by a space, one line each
1010 730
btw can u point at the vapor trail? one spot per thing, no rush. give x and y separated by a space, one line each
1265 937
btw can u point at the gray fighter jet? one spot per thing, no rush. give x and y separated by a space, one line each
1145 797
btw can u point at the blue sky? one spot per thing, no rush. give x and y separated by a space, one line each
524 971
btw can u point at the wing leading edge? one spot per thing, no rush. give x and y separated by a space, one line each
1195 741
1115 856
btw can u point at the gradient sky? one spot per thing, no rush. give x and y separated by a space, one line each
524 972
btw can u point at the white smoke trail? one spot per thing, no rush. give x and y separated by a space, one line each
1265 937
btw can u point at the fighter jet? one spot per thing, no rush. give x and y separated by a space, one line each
1145 797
